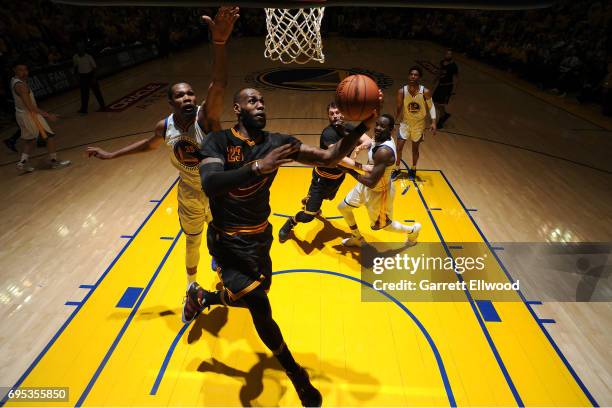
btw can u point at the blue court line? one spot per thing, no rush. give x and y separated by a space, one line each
471 209
87 286
282 215
488 311
104 274
434 209
455 247
434 349
69 303
129 298
408 220
335 217
497 248
479 319
127 236
113 346
546 320
166 361
533 302
167 238
154 201
406 190
533 314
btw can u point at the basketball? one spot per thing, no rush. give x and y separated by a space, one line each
357 96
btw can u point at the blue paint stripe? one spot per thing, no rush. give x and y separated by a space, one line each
127 236
104 274
87 286
471 209
335 217
406 190
166 361
129 298
533 314
434 209
408 220
488 311
455 247
534 302
481 323
73 303
546 320
154 201
167 238
113 346
497 248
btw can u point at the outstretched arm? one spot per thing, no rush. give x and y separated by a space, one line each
382 159
215 181
140 146
221 28
432 109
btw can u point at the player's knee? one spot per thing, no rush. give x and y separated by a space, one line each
259 305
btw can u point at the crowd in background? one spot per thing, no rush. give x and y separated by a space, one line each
564 49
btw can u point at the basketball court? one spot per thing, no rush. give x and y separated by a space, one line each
93 256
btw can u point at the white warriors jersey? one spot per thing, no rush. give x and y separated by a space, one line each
385 181
20 106
185 146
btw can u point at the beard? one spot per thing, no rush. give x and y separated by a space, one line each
252 122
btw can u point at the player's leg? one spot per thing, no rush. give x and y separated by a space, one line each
354 199
385 212
84 86
312 207
95 87
52 150
193 212
402 136
416 142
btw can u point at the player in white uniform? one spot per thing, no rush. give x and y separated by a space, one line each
413 102
375 190
184 131
31 120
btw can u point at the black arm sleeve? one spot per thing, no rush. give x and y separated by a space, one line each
215 181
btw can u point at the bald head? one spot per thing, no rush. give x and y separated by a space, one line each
250 108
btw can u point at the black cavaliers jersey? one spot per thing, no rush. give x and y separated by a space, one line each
330 136
245 209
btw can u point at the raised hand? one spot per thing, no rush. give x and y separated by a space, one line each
223 24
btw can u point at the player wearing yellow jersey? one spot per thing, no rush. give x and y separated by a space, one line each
413 103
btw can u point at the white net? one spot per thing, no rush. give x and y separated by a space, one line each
294 35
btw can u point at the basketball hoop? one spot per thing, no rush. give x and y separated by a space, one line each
294 35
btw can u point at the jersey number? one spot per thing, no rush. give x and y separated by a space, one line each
234 154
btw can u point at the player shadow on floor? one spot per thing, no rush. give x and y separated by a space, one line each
211 321
253 386
372 251
328 233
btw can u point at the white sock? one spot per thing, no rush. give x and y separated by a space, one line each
24 157
396 226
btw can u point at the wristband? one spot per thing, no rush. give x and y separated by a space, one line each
257 169
359 165
219 42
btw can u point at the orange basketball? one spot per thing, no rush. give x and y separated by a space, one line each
357 97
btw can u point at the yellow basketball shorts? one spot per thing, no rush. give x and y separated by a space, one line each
414 132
